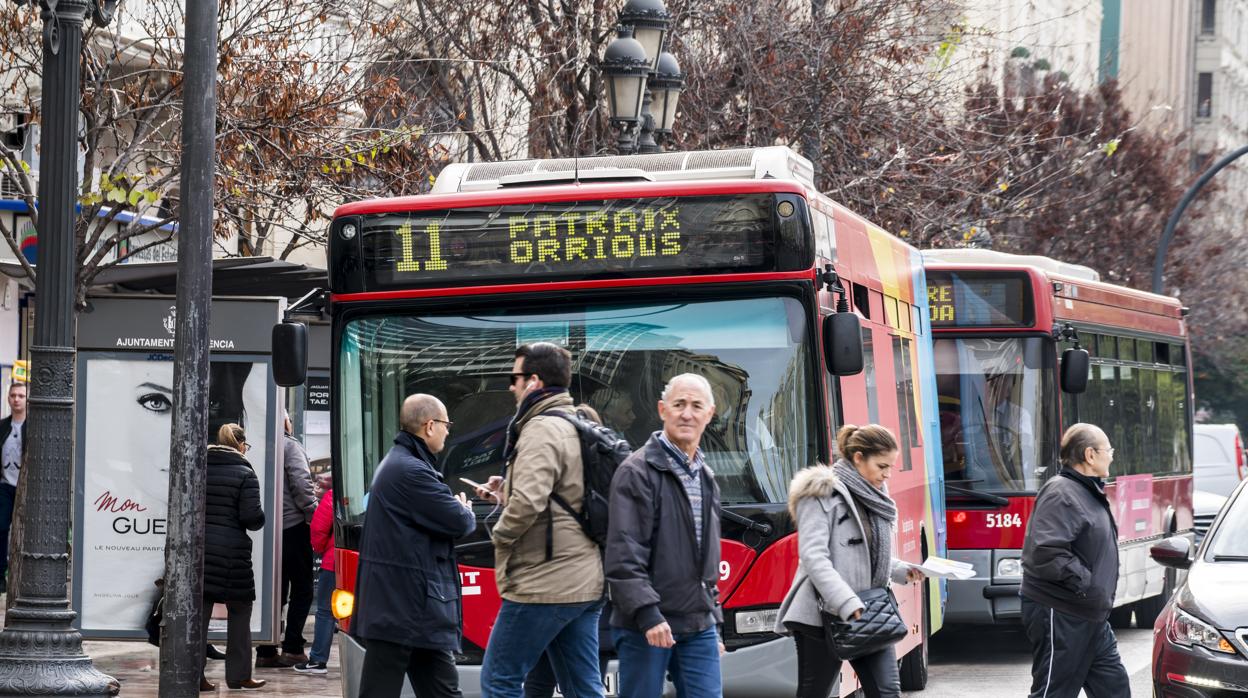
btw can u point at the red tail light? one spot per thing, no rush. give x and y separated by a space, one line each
1239 459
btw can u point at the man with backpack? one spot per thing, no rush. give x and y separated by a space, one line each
547 567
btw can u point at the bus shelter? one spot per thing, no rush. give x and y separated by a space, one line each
123 426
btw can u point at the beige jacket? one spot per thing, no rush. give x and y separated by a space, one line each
548 459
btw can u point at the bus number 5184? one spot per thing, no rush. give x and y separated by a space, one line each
1005 521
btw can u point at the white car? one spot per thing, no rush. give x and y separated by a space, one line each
1205 508
1219 460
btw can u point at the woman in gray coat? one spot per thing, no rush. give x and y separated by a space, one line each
845 524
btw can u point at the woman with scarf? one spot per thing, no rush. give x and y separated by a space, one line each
845 523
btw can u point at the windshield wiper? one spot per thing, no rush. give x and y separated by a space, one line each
1230 558
993 499
750 524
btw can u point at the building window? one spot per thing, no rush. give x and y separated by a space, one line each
1208 16
1204 95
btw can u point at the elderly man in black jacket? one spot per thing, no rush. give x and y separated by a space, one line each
407 588
663 553
1070 574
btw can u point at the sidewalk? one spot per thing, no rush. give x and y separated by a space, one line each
137 666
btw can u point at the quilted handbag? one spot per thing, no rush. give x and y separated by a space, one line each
879 626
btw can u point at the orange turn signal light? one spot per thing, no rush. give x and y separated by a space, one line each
343 603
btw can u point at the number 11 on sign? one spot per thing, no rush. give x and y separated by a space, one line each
408 262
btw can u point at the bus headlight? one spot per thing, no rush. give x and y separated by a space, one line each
343 603
759 620
1010 567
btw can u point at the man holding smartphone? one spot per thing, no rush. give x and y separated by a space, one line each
407 609
548 572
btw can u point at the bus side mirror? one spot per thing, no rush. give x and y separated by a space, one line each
842 344
290 353
1075 365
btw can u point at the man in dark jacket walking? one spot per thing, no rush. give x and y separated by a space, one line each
407 608
663 553
1070 573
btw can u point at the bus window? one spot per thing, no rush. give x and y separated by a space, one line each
1144 351
1166 427
764 427
1126 349
1107 346
861 301
868 372
905 400
997 411
1147 456
1177 356
1128 453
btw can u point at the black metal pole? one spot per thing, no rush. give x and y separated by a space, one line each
40 652
1160 262
645 137
182 641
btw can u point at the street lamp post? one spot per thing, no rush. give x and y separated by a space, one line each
642 78
40 652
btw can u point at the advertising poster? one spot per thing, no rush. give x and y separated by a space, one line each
124 422
126 476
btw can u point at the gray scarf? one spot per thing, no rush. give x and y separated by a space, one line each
881 513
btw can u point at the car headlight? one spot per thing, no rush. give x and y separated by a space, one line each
1010 567
759 620
1188 630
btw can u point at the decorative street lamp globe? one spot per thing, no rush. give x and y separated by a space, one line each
626 67
665 87
649 20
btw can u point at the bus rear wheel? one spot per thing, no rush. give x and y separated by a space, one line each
913 666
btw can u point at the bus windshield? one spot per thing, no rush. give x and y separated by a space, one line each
997 413
753 351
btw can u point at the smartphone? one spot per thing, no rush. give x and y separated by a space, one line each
466 481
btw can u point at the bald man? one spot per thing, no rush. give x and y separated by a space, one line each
667 611
1070 575
407 606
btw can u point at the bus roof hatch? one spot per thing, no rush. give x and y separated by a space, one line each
777 162
970 255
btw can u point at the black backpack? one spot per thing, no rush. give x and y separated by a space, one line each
602 452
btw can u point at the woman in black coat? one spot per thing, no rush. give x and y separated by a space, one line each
232 509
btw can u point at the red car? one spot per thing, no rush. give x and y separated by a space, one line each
1200 640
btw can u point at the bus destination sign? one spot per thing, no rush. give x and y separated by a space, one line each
573 239
971 299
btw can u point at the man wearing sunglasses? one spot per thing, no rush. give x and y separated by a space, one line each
548 571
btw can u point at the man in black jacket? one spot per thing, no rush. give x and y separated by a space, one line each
1070 574
663 553
407 608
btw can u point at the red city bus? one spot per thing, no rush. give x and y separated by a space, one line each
727 264
1000 322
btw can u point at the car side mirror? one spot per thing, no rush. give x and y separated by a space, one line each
842 344
1075 367
290 353
1175 552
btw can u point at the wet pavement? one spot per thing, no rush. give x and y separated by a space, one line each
137 666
